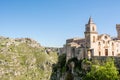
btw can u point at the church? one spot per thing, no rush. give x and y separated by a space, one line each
93 45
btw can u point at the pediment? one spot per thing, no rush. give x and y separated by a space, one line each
104 37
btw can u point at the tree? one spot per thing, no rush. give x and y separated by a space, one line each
106 71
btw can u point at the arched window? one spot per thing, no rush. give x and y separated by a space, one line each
93 29
93 38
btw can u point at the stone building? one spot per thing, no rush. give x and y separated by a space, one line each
93 44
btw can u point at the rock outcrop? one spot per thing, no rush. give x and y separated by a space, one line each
24 59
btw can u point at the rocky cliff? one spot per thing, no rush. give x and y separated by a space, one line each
25 59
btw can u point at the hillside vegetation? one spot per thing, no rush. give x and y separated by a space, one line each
25 59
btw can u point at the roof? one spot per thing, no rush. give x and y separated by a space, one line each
90 21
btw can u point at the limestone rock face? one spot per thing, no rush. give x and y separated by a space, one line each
24 59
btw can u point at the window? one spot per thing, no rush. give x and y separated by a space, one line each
99 44
93 38
106 37
112 53
112 44
93 29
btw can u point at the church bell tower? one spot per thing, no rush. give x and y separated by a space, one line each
118 30
91 34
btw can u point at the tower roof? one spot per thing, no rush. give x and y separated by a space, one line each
90 21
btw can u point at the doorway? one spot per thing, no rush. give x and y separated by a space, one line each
106 52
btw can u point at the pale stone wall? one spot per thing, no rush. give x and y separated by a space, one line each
118 46
102 44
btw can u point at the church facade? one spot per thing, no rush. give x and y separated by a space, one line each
93 44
